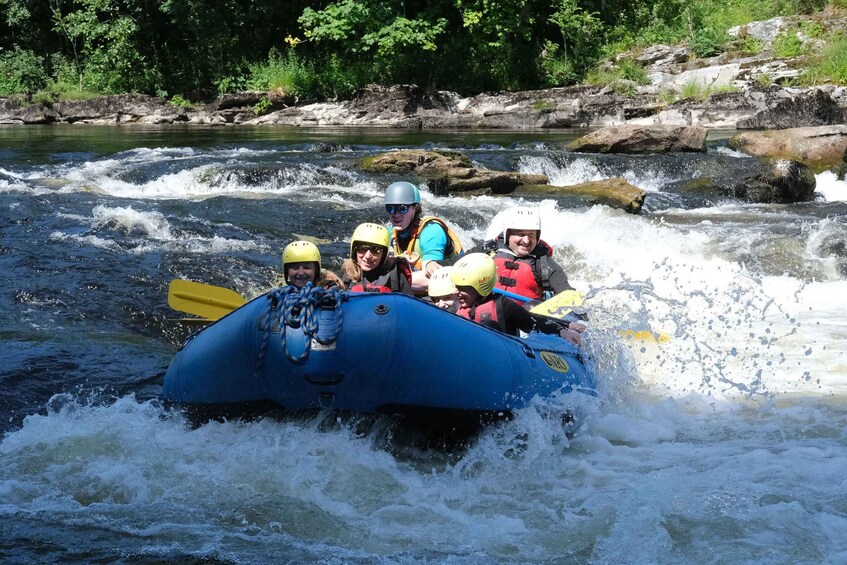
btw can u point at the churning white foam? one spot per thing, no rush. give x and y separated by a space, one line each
732 333
832 189
138 232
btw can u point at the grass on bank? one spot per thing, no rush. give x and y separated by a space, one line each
829 66
290 74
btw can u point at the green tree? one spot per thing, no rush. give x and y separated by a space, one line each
399 40
102 35
579 50
501 39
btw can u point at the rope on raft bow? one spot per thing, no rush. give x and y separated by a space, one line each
300 308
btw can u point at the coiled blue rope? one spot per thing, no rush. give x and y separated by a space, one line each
300 308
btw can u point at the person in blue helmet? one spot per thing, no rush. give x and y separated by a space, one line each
424 241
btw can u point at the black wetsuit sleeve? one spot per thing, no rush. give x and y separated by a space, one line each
548 326
515 317
558 280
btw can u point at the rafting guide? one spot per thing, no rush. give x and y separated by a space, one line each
425 241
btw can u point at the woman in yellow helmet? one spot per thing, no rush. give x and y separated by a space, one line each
301 264
369 268
475 275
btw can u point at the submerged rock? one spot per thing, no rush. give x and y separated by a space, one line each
614 192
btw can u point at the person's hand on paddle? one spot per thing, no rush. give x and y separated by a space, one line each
571 336
577 327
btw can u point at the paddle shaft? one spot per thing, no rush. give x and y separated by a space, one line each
506 293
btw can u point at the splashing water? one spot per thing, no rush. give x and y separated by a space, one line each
724 443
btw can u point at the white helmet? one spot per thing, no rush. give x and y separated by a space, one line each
440 283
521 219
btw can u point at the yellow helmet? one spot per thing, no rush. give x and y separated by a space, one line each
440 283
374 234
300 252
476 270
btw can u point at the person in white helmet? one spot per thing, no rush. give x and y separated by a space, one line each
474 276
442 291
525 263
424 241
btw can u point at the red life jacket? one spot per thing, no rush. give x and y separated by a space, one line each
523 275
487 313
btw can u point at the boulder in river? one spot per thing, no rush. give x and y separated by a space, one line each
778 181
642 139
446 171
820 148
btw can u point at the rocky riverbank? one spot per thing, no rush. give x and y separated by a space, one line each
789 158
408 106
725 92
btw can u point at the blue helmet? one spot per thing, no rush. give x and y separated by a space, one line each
402 192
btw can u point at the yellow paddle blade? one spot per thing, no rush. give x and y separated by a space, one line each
210 302
560 305
563 303
645 335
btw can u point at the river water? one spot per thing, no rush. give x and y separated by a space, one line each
726 443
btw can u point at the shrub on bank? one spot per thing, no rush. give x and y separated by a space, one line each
21 72
830 66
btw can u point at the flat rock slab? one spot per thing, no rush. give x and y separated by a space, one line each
615 193
822 148
642 139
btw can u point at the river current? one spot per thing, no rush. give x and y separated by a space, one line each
726 443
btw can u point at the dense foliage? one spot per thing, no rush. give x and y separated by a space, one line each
326 49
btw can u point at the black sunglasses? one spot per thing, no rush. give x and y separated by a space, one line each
375 250
400 208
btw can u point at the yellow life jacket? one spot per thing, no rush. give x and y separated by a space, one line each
412 253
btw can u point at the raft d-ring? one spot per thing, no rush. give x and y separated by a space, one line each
381 309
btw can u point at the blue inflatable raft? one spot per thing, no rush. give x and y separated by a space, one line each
367 353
